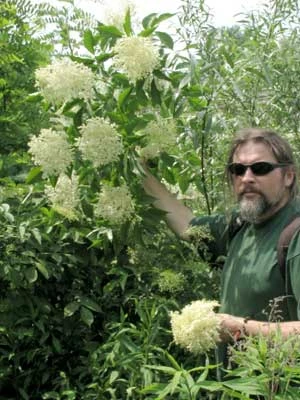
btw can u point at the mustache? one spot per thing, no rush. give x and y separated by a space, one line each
248 189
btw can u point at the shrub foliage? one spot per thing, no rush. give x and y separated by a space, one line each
88 271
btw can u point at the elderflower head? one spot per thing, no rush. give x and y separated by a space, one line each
99 142
160 136
115 204
64 196
114 13
52 151
196 327
136 56
171 281
65 80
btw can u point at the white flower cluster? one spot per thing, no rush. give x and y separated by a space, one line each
160 136
99 142
65 80
114 12
115 204
64 196
52 151
136 56
196 328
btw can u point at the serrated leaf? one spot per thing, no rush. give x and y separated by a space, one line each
86 316
71 308
88 41
165 39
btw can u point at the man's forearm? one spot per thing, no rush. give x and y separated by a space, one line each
235 327
253 327
178 215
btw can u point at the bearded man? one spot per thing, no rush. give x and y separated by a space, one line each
262 174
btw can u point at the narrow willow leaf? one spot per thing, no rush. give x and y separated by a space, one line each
127 24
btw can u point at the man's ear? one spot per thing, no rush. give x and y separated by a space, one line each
289 176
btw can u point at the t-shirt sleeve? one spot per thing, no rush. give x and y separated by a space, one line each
215 237
293 269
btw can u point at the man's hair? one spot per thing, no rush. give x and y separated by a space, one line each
280 148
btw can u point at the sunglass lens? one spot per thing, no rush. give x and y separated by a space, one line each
237 169
261 168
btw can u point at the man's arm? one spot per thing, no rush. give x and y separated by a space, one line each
233 327
178 215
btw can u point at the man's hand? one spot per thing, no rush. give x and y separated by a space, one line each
232 328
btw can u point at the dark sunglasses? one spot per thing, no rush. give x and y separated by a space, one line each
259 168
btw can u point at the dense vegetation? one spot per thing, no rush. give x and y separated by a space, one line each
87 284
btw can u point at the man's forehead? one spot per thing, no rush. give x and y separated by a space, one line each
252 147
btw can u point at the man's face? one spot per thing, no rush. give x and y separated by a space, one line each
260 197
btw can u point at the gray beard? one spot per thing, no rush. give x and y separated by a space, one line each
253 210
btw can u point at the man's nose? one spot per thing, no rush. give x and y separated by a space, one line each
248 175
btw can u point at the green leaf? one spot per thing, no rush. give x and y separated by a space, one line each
23 394
165 39
152 20
42 269
155 94
56 344
86 316
105 56
31 274
146 21
183 183
173 361
91 304
71 308
51 396
37 235
123 96
162 368
175 381
211 386
162 17
88 41
147 32
245 385
127 24
110 30
34 175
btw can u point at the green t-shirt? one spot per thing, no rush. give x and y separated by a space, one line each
251 279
